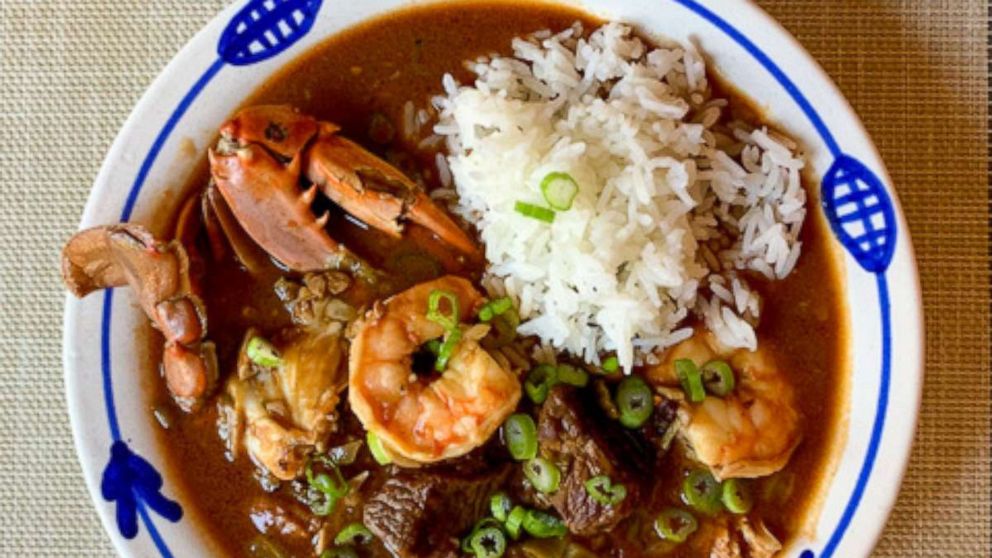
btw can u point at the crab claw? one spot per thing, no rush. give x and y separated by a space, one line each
258 165
266 199
377 192
281 129
158 272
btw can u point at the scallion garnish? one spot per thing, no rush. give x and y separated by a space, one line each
572 376
736 496
354 533
611 364
514 521
263 353
448 321
543 475
718 377
487 542
500 506
447 349
378 451
330 485
339 552
559 190
675 525
534 211
635 401
602 490
495 308
701 491
543 525
520 434
691 379
540 381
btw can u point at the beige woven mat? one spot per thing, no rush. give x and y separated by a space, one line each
915 71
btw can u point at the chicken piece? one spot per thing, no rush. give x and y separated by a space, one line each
280 414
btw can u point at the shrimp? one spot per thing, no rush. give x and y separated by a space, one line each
749 433
424 419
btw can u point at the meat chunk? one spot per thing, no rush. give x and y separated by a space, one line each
577 436
421 514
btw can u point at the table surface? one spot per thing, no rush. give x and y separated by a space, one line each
917 72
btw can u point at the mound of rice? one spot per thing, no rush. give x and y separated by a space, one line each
673 201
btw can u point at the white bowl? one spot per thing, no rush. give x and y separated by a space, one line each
191 97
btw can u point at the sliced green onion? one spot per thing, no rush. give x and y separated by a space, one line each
675 525
543 474
378 451
504 329
520 434
718 377
603 491
433 346
354 533
635 401
434 312
447 349
263 353
501 304
691 379
484 523
573 376
736 496
534 211
488 542
486 314
543 525
611 364
514 521
702 492
540 381
495 308
500 506
559 190
331 486
339 552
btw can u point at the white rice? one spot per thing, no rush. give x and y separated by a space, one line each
671 203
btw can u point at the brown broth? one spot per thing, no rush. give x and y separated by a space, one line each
377 67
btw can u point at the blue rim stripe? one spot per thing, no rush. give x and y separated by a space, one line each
773 68
164 134
163 548
108 387
877 428
139 181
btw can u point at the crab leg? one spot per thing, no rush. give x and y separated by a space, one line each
158 272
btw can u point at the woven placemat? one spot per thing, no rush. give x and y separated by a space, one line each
916 71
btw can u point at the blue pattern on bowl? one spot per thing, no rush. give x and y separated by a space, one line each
855 202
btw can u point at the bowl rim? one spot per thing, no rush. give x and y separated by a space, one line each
909 281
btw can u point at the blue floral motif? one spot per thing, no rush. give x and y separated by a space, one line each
130 481
264 28
860 213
